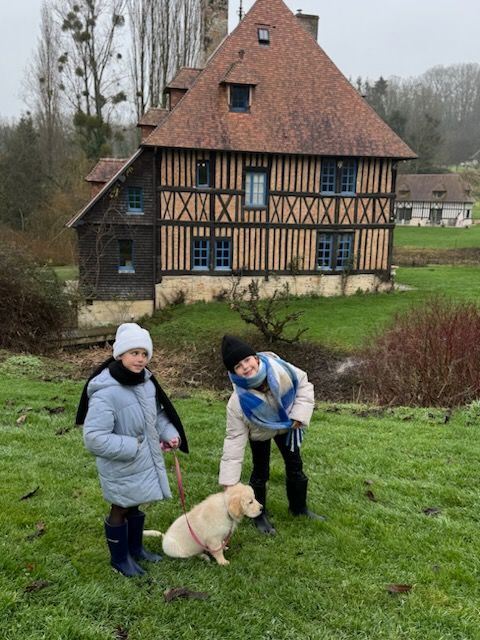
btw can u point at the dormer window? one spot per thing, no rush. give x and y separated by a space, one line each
263 36
439 194
239 97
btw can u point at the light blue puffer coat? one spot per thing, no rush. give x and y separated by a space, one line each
123 429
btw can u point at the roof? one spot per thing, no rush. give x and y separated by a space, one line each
105 169
153 117
184 79
302 104
113 178
438 187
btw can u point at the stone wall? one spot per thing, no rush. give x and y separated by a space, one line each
206 288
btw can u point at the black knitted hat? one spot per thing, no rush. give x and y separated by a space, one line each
234 350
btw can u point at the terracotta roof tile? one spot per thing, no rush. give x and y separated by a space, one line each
184 79
426 187
302 103
105 169
153 117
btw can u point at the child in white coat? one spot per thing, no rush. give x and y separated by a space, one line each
272 400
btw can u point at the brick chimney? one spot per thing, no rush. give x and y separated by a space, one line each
308 22
214 27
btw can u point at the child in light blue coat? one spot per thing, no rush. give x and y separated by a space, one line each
128 423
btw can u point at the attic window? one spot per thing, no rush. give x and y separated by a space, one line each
264 36
239 97
439 194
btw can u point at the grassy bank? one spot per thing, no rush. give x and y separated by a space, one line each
437 237
322 581
340 322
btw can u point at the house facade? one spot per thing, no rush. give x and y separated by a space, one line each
267 164
434 200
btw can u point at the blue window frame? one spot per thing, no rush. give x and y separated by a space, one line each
334 251
328 177
344 251
324 251
349 176
200 254
223 254
203 173
125 256
255 188
239 97
135 200
343 170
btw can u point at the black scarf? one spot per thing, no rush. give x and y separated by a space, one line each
129 378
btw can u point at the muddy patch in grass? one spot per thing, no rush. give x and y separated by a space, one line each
201 368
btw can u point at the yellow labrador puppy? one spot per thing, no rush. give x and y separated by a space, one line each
211 522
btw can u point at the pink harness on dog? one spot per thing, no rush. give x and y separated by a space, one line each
181 491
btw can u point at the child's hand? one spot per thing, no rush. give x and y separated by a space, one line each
296 424
170 444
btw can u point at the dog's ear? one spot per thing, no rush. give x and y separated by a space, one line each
235 503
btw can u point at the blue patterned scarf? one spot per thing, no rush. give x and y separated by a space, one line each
282 382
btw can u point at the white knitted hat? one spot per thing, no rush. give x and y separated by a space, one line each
131 336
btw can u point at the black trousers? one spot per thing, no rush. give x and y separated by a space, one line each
261 461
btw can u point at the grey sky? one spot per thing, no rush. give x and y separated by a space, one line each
363 37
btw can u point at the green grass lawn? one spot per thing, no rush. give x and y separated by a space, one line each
437 237
69 272
322 581
340 322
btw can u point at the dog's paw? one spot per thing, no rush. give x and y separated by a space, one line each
223 561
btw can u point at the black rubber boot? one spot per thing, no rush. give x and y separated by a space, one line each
297 499
262 522
121 560
135 539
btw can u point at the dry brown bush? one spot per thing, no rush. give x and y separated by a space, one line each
430 357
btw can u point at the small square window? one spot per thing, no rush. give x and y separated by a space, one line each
256 189
125 256
203 173
135 199
264 36
239 97
200 254
223 254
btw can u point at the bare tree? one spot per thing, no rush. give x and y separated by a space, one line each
43 95
165 36
90 65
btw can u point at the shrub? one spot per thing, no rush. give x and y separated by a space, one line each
269 314
430 357
34 307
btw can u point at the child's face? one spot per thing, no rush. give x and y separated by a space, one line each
135 360
247 367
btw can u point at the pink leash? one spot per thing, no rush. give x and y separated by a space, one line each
181 491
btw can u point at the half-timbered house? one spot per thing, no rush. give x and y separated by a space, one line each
266 164
434 199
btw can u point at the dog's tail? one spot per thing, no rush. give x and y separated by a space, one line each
152 533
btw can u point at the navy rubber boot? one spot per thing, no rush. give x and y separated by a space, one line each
135 539
297 499
121 560
261 522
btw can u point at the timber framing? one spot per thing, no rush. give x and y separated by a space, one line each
295 178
